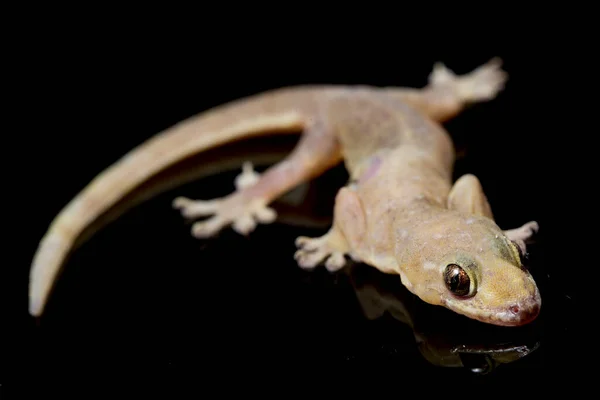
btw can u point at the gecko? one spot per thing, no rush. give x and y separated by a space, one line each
400 212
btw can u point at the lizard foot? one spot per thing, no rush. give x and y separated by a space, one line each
242 216
481 84
523 233
235 210
312 251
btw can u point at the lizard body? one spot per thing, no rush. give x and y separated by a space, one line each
400 212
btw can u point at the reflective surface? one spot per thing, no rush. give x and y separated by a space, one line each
142 294
443 339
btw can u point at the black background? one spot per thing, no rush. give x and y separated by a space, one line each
142 297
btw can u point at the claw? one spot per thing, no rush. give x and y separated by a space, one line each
494 64
440 74
195 208
301 241
309 260
247 178
335 262
308 244
485 82
244 225
265 215
181 202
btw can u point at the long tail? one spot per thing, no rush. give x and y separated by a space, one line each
284 110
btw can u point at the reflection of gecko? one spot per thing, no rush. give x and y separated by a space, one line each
441 341
400 212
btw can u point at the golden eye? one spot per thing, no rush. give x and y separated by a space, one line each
457 280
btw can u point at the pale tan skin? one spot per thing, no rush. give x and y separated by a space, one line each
400 212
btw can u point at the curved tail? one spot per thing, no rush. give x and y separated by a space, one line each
284 110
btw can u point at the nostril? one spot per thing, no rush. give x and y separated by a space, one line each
514 309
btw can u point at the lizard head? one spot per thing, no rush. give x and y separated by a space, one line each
473 269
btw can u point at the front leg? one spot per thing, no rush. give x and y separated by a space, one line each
344 237
467 196
317 151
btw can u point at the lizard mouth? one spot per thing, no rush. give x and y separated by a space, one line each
517 313
521 312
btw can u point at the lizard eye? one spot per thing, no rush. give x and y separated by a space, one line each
458 281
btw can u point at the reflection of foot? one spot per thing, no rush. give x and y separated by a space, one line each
312 251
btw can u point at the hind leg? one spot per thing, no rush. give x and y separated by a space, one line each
447 94
317 151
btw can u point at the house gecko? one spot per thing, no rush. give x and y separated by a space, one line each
400 212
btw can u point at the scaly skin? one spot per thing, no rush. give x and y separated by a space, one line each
400 212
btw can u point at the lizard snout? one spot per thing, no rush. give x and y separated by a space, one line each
520 312
524 311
